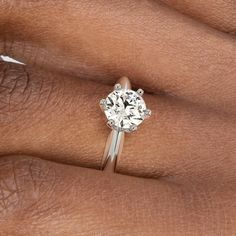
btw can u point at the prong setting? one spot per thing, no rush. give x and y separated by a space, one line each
125 109
103 104
132 128
140 92
110 123
147 113
117 87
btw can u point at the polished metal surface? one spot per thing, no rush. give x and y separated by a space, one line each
114 144
129 109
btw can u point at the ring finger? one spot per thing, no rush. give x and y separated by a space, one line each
58 117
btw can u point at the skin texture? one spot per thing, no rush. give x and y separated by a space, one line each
55 199
219 14
49 114
41 111
153 45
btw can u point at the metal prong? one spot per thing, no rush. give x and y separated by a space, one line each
103 104
140 92
147 113
110 123
117 87
132 128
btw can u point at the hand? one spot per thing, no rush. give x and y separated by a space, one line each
74 52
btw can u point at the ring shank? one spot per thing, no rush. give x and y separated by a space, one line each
115 140
113 150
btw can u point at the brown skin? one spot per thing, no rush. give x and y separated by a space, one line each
45 198
219 14
74 51
155 46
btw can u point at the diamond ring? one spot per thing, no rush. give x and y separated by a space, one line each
124 109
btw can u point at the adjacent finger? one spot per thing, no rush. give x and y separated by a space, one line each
43 198
58 117
153 45
219 14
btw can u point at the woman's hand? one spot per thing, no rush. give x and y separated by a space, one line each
75 51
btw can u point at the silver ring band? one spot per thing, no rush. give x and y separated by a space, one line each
125 110
115 140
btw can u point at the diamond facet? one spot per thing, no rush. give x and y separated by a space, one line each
126 108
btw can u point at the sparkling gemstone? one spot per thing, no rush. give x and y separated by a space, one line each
126 108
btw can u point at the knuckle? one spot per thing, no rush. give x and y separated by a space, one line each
24 181
14 84
9 191
22 91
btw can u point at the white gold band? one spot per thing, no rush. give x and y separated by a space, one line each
115 140
125 109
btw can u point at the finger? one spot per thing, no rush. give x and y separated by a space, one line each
43 198
151 44
182 143
48 115
219 14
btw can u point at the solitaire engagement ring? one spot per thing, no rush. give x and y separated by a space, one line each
124 109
